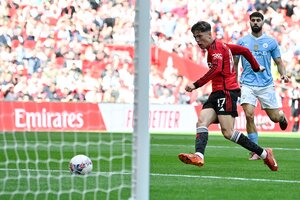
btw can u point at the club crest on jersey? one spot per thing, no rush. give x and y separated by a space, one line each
265 45
217 56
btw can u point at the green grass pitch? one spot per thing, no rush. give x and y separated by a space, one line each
31 162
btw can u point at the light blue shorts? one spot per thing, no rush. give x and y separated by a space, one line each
265 95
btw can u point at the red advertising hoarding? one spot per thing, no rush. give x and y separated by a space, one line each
31 116
49 116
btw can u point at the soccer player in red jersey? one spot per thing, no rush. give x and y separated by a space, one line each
221 105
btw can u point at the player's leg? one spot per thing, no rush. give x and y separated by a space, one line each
248 102
227 128
268 100
250 123
206 117
251 127
275 115
227 124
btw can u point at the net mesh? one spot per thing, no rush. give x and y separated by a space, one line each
35 164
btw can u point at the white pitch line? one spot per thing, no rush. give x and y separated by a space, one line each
33 145
163 175
229 178
228 147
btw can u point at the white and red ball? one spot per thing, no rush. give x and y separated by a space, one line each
81 164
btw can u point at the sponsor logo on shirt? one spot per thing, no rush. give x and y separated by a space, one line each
217 56
259 54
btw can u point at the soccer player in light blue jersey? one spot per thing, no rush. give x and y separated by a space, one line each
260 86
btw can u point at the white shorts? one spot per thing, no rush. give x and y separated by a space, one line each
266 95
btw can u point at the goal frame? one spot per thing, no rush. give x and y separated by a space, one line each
141 137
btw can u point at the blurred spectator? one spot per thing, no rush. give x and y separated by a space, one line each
51 92
262 5
9 94
5 39
32 61
294 103
167 96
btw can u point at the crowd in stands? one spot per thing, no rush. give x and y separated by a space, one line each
62 50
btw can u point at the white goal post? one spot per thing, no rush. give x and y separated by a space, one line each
141 138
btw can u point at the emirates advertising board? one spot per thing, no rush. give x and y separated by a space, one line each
49 116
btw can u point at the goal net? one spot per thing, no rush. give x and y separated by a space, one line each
35 156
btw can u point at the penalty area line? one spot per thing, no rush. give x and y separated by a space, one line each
227 178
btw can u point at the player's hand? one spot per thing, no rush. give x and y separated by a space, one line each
284 78
190 87
261 68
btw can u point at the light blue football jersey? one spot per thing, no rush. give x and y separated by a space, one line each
263 48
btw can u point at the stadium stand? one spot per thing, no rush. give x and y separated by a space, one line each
59 50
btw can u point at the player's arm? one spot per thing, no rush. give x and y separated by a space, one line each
240 50
281 69
216 67
236 60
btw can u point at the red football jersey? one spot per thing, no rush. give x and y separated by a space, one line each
221 64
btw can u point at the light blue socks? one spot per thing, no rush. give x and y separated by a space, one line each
253 137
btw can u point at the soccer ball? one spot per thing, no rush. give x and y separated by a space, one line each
81 165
